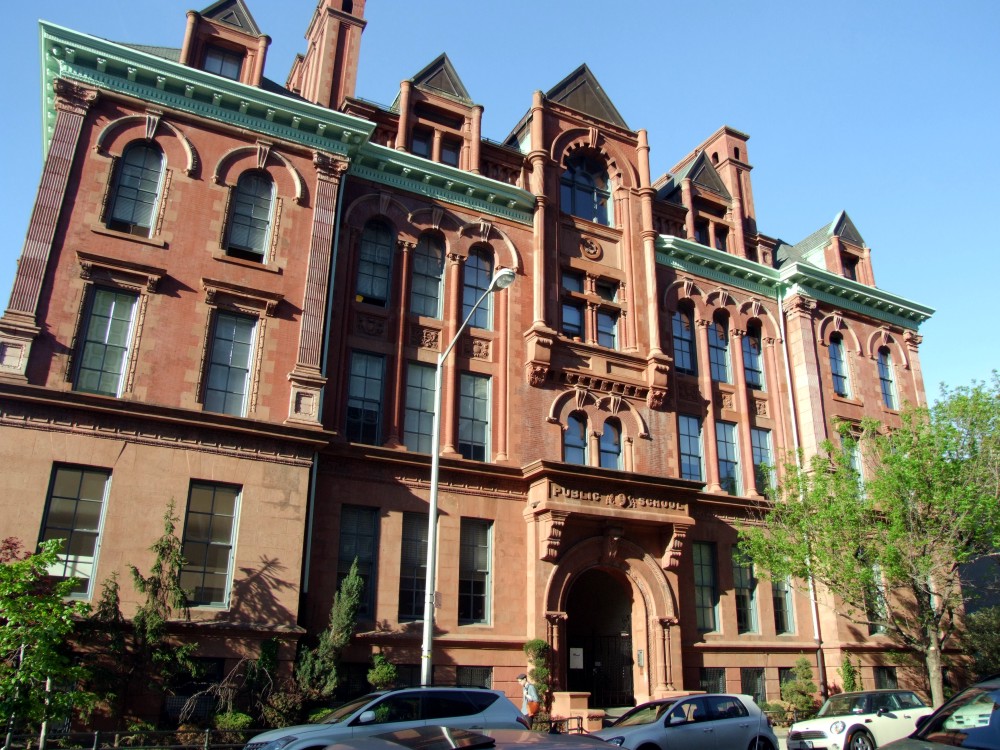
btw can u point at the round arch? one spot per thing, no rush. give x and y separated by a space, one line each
175 145
287 181
834 323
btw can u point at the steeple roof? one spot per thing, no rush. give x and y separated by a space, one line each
441 78
581 91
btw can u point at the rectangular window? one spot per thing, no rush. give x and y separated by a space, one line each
753 363
850 267
875 604
752 684
763 460
106 340
572 282
607 329
223 62
418 417
421 146
745 588
572 320
475 558
729 461
364 398
413 567
74 513
606 290
474 416
209 536
689 429
359 541
885 678
718 351
474 677
721 236
785 675
712 679
450 151
781 598
838 367
885 378
682 328
705 593
229 363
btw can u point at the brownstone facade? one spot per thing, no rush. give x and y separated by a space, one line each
234 298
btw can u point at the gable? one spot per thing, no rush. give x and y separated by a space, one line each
845 229
440 77
232 13
581 91
704 175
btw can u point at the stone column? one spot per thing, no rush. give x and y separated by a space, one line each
805 390
666 681
399 388
557 660
501 320
449 378
707 392
743 408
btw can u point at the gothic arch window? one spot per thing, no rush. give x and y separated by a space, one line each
250 216
575 439
585 190
374 264
753 362
838 366
682 326
428 273
718 349
136 189
885 378
611 445
478 274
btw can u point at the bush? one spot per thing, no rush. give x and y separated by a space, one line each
283 707
382 674
800 691
233 726
190 734
776 712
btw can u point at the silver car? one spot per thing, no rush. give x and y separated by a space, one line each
390 710
445 738
970 719
693 721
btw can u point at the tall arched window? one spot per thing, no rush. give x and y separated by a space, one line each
476 280
250 217
575 439
885 378
136 189
585 190
611 445
838 366
374 264
718 350
684 350
753 363
428 271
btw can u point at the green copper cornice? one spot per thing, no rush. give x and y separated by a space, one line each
797 278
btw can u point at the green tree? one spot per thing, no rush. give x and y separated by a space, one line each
890 550
981 640
537 650
849 675
800 691
316 671
37 619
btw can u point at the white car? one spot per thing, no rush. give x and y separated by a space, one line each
859 721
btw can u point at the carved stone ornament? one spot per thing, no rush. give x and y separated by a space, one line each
369 325
479 349
612 541
536 375
689 392
727 401
72 98
591 248
656 398
553 522
760 407
672 558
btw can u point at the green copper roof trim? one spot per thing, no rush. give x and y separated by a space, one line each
415 174
80 57
798 278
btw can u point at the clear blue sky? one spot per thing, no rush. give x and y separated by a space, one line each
888 110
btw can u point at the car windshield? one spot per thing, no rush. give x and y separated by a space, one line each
338 714
971 719
844 704
644 714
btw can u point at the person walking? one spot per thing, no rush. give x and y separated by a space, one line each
529 699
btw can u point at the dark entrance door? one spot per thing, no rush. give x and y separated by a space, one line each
599 636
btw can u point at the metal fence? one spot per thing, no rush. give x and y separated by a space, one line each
178 739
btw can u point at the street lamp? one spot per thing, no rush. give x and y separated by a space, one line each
501 280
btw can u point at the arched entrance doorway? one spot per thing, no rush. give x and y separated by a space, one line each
599 638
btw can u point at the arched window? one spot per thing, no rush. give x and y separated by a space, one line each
718 350
250 218
136 189
585 190
575 439
476 280
684 350
428 270
374 264
838 366
611 445
753 364
885 378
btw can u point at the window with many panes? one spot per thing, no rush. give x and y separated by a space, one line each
359 541
763 459
885 678
838 366
74 513
428 273
689 431
418 414
107 335
474 565
476 277
364 398
718 350
230 359
374 264
209 536
413 567
682 325
729 461
575 439
752 683
885 378
250 217
607 328
706 596
223 62
781 599
474 677
745 589
753 362
139 174
712 679
585 190
474 416
611 445
876 609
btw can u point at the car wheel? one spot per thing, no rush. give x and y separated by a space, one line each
860 740
648 747
760 743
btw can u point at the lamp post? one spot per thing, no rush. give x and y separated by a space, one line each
501 280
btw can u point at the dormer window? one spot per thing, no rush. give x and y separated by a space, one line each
223 62
422 143
449 152
585 190
850 264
